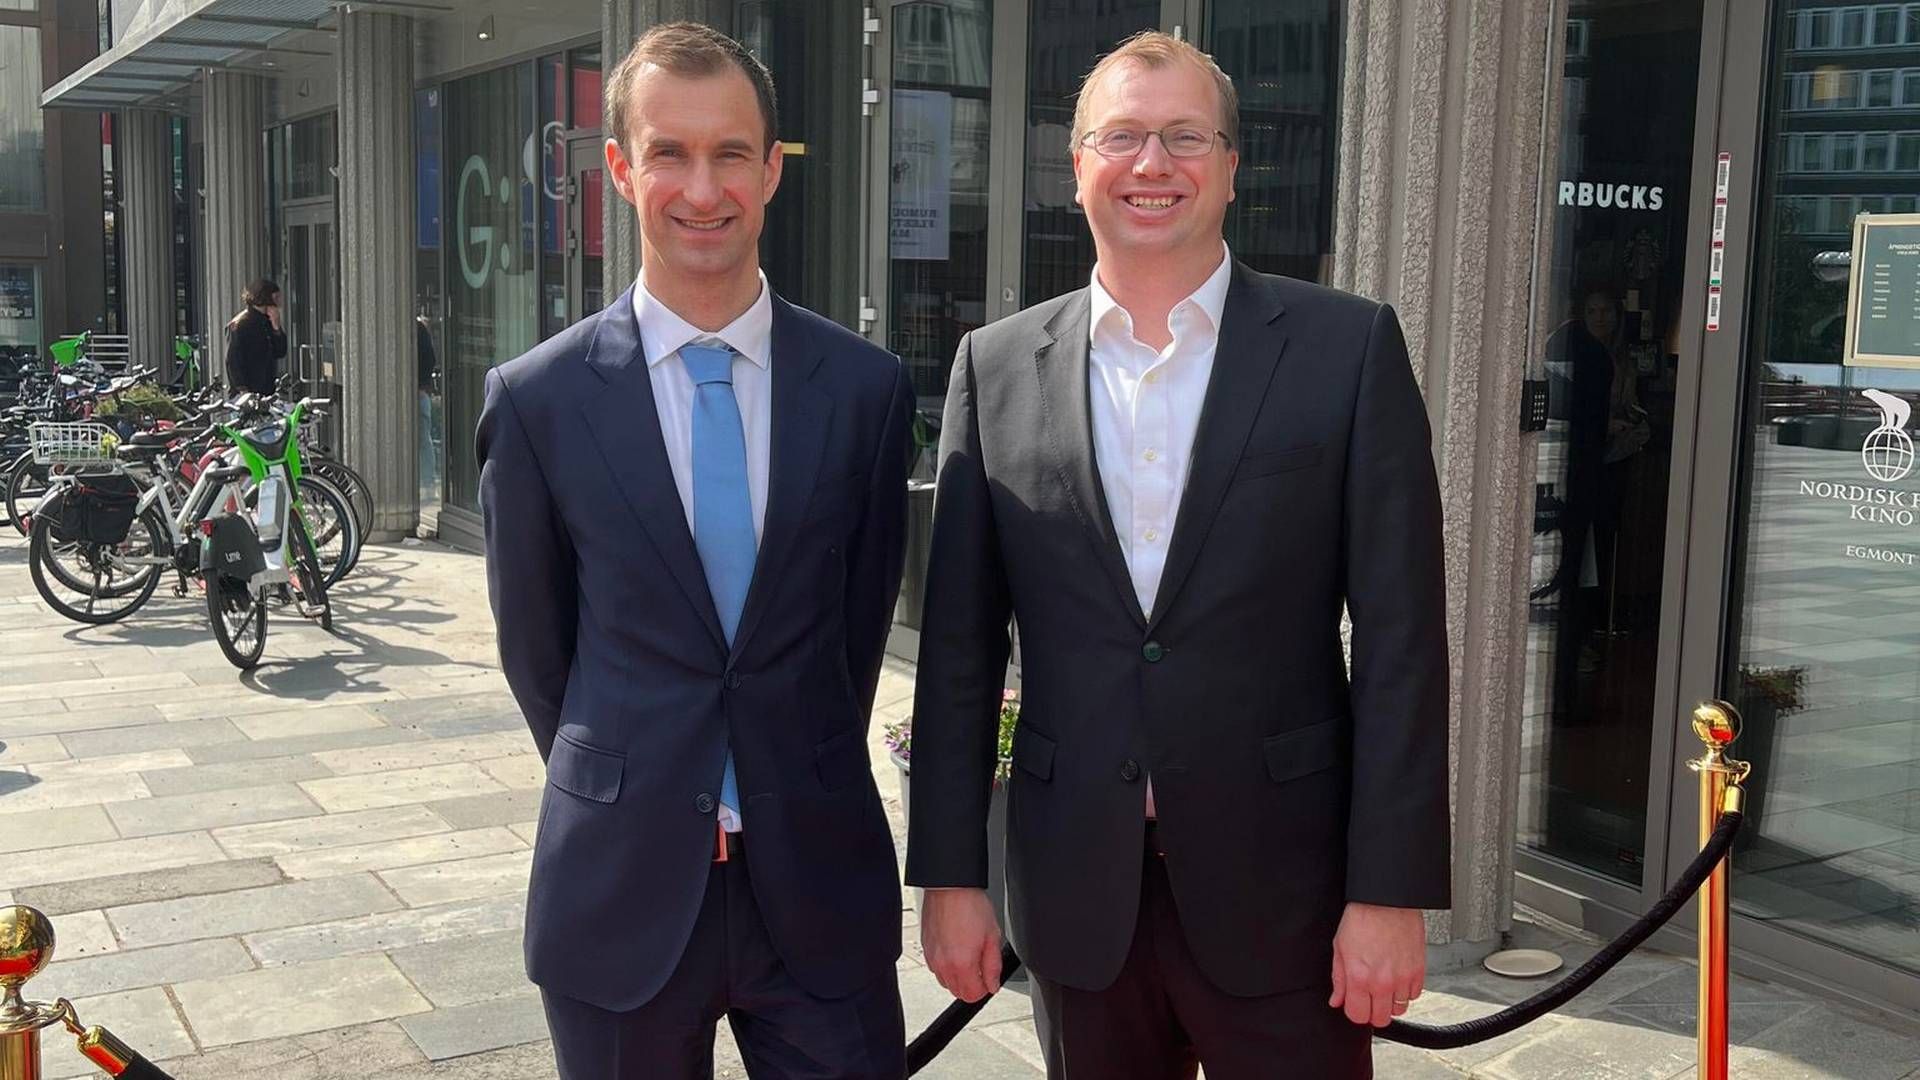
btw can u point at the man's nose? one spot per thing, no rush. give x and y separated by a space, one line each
703 190
1153 159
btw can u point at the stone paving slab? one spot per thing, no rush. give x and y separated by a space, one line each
133 969
346 1053
277 1002
331 830
462 971
451 1032
414 755
83 933
391 854
461 879
111 765
211 809
22 792
166 735
401 787
55 828
31 750
43 718
119 890
261 749
82 861
393 930
191 779
244 911
144 1019
505 808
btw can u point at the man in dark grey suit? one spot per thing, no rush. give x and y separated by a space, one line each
1173 481
695 505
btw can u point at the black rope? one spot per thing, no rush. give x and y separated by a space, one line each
142 1069
954 1018
1449 1036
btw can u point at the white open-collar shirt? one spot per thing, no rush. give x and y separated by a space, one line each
662 334
1146 410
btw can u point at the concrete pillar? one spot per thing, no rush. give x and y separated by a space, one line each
1446 230
236 209
376 230
621 24
146 229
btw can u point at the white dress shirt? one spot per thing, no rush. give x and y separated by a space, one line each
662 334
1146 410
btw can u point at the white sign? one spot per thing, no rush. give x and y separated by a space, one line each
921 206
1612 196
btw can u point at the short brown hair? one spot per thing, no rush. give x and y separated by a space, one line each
1158 49
690 50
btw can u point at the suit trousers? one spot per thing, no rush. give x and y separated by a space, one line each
1162 1016
730 969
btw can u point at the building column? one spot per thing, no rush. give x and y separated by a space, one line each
236 208
621 24
376 229
146 229
1445 230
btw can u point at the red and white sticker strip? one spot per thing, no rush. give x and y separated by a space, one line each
1717 262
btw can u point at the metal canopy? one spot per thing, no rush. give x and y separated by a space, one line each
161 56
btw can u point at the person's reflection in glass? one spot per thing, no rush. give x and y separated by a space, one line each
1585 352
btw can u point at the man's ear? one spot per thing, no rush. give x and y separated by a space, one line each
776 161
621 170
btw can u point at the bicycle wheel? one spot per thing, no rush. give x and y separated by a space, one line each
72 562
102 594
239 617
26 482
307 578
352 485
334 533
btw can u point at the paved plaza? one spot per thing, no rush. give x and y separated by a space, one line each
317 870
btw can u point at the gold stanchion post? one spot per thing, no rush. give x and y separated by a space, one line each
1717 724
26 944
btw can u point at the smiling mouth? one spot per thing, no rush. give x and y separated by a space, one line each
1152 202
703 226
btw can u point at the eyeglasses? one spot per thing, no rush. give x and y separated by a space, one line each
1120 144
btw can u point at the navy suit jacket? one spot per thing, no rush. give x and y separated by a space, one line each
612 647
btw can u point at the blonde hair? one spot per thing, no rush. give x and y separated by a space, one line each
1155 49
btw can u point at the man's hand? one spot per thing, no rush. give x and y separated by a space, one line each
962 941
1379 962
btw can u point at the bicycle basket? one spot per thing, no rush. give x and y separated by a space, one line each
72 444
98 510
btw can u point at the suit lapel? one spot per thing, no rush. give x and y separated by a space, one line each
626 424
1067 418
802 414
1243 365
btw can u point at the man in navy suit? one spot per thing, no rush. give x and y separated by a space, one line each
695 510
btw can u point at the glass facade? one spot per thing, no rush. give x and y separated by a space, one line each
1619 231
1825 617
494 203
20 320
23 149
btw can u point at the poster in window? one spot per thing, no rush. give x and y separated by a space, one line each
922 173
1883 292
17 293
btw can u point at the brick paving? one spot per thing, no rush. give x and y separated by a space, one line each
317 870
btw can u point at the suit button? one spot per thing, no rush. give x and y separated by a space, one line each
1153 651
732 681
703 802
1130 771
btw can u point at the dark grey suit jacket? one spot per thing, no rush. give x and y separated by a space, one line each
611 644
1284 789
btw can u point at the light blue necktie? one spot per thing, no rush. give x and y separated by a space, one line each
722 503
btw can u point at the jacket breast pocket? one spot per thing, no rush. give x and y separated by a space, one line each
586 771
835 499
1254 466
1291 755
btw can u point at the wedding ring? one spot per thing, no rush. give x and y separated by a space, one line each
1403 1001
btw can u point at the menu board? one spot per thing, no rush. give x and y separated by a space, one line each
1883 292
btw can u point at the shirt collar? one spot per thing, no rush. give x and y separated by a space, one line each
663 332
1210 297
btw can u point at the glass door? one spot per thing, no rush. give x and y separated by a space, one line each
586 172
312 306
1803 594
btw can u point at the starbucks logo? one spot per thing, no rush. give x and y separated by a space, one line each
1888 452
